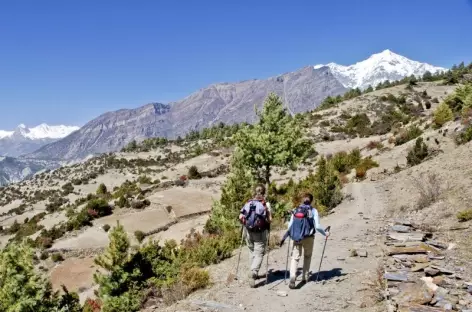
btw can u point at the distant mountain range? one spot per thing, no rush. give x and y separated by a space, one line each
302 90
25 140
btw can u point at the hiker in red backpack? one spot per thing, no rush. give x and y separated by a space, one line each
301 229
256 218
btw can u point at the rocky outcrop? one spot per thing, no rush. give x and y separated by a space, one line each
418 276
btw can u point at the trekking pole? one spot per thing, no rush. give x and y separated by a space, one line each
240 248
322 254
267 264
286 262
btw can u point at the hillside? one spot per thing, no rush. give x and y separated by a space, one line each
163 189
302 90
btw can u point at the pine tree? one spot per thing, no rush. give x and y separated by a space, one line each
418 153
22 288
116 290
236 190
442 114
369 89
327 190
276 140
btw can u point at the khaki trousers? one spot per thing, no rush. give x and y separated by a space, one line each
256 242
307 246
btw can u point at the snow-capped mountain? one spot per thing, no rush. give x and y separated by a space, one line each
25 140
378 68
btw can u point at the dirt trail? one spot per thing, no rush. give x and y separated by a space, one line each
344 279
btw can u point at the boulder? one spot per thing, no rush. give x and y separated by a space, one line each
413 293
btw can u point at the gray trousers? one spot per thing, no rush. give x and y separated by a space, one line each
256 242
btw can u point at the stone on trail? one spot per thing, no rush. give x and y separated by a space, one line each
400 277
431 272
429 283
282 293
362 253
442 270
401 228
412 258
437 244
406 250
406 237
403 222
419 266
419 308
216 305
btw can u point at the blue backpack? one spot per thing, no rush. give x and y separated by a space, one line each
256 217
302 223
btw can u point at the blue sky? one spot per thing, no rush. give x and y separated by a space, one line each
66 62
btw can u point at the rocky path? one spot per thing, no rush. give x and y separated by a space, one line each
346 281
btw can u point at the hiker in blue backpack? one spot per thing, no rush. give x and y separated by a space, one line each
256 217
303 222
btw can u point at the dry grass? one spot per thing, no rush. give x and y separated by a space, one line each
274 241
378 284
429 189
465 215
374 144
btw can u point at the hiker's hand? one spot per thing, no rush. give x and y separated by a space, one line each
327 231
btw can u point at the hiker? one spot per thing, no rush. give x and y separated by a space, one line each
256 218
301 229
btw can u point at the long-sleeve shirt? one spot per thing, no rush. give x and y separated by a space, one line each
316 222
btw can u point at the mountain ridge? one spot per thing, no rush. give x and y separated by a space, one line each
301 90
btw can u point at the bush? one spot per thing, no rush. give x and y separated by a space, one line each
57 257
407 135
140 204
44 255
465 136
144 180
374 144
98 208
102 189
139 235
194 278
465 215
92 305
442 114
429 189
122 202
344 162
193 173
418 153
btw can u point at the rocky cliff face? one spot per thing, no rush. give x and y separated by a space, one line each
226 102
109 132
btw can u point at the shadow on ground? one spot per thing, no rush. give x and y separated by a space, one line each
280 275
